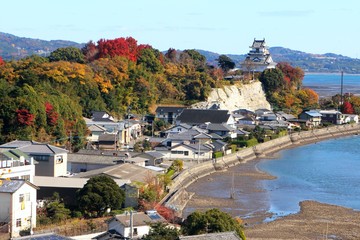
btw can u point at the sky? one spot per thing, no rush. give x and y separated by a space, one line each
224 27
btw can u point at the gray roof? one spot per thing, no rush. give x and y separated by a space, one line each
139 219
188 135
91 158
167 109
68 182
155 154
199 116
108 137
11 186
33 147
96 128
101 116
313 113
219 127
213 236
44 236
120 171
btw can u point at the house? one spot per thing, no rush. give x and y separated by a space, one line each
44 236
18 205
182 127
51 160
65 186
134 225
351 118
108 141
212 236
200 116
259 58
332 116
168 113
313 116
222 130
126 171
95 132
15 164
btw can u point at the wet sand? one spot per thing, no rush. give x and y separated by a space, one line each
314 221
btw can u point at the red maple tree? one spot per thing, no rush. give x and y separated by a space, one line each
51 115
1 61
24 117
347 108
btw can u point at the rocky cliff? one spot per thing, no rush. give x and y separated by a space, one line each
249 96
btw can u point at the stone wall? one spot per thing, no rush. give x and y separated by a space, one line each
177 195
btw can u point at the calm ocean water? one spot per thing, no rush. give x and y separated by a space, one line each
330 84
328 172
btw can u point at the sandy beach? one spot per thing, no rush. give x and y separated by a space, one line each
314 221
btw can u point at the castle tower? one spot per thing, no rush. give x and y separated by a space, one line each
258 58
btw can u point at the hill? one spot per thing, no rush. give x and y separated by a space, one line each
309 62
13 47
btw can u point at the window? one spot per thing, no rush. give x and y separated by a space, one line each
41 157
18 222
186 153
135 233
59 159
27 197
21 198
26 177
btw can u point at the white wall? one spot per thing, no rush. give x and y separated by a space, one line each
23 211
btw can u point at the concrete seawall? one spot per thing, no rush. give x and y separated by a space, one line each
177 197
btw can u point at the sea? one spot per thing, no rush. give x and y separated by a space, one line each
326 171
327 85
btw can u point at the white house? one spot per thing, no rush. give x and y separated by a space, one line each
52 161
18 205
14 164
134 225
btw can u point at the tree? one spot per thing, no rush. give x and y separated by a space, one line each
292 76
1 61
347 108
161 231
225 63
70 54
98 195
211 221
272 80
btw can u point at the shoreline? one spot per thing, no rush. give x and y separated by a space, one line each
251 204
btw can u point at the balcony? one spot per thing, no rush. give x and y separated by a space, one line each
12 163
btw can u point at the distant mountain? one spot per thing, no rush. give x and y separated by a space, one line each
13 47
309 62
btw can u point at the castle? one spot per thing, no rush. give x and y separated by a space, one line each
258 58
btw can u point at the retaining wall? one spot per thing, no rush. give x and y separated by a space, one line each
188 176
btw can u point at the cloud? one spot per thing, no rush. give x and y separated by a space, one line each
287 13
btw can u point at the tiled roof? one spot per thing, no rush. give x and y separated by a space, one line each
44 236
219 127
11 186
93 158
68 182
212 236
139 219
96 128
121 171
33 147
167 109
199 116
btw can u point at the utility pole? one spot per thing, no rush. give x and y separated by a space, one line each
131 225
341 90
